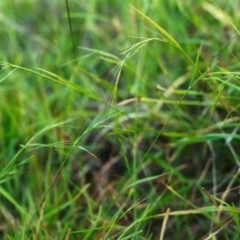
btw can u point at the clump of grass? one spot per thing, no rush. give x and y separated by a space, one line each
103 145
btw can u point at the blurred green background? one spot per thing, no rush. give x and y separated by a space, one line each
108 118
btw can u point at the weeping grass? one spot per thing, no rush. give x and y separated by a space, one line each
119 120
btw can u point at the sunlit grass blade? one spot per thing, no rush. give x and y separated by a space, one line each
57 79
164 224
168 37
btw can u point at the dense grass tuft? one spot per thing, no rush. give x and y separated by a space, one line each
119 120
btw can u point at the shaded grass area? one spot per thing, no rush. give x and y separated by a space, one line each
125 129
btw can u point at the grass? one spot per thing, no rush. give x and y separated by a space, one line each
122 126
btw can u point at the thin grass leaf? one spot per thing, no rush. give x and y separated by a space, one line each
203 210
11 199
1 80
168 38
147 179
164 224
228 18
132 235
55 78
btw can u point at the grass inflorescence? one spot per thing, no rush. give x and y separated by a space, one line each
119 120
